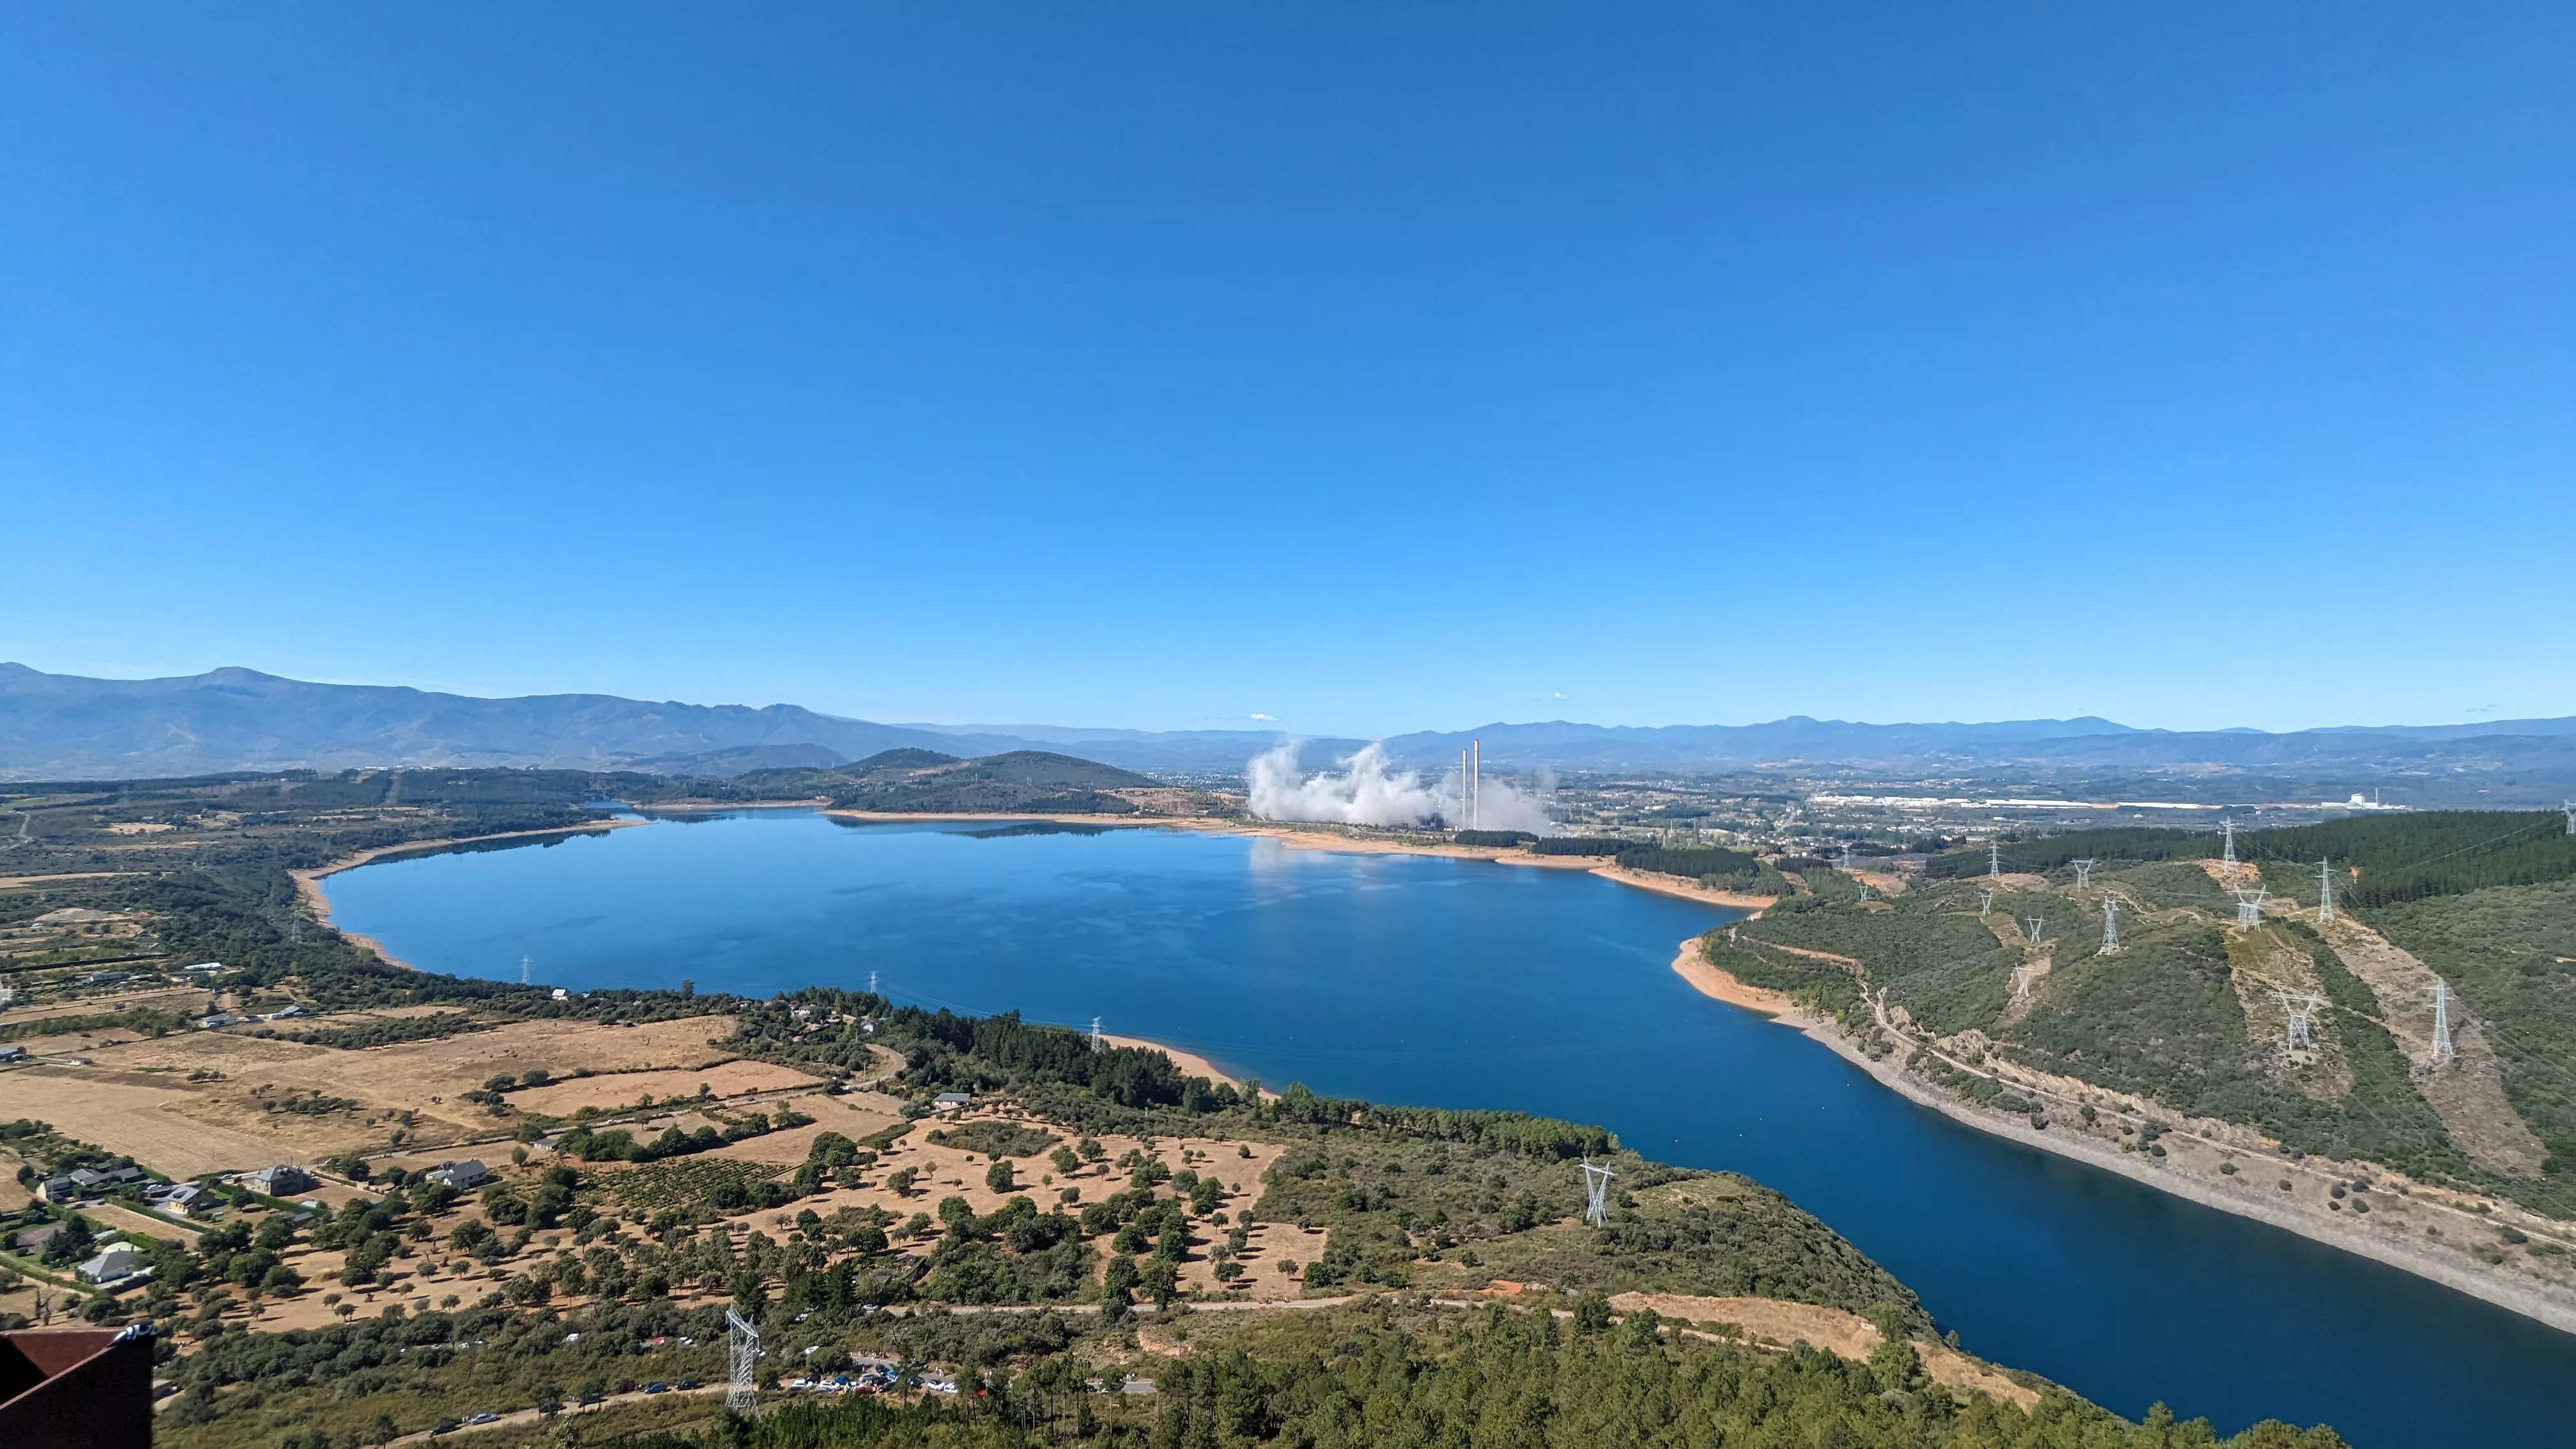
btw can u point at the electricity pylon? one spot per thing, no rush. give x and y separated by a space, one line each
2302 1008
1596 1188
2110 925
2325 891
2035 925
2083 873
2249 905
2441 1021
743 1350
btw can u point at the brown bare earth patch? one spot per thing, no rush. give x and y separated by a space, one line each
2260 963
854 1117
169 1125
1848 1335
137 1098
168 998
2467 1091
629 1089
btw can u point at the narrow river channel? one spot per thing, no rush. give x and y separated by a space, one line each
1465 984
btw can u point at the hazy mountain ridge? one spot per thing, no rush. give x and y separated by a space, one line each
69 727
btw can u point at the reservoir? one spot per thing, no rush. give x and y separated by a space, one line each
1409 979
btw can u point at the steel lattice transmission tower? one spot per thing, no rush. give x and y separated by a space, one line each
2035 925
2249 905
1994 860
2301 1007
2021 979
2441 1021
1596 1191
1985 903
2325 891
2110 925
2227 863
2083 873
1098 1043
743 1349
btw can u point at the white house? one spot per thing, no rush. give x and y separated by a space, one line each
278 1181
462 1176
184 1198
116 1259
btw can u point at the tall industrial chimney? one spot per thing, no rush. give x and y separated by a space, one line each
1476 790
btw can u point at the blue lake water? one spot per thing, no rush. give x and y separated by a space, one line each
1466 984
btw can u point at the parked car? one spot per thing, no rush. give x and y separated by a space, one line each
443 1426
485 1419
657 1388
688 1383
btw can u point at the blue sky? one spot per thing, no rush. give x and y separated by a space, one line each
1370 367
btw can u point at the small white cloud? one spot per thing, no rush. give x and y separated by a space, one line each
1560 694
1272 718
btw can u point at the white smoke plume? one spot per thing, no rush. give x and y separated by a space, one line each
1366 791
1502 805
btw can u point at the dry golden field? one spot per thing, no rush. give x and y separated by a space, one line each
137 1098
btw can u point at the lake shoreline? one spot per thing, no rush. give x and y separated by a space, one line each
1190 1062
2347 1234
308 883
1298 839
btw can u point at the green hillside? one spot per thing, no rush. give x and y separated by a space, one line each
2184 1014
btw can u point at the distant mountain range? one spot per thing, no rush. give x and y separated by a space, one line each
67 727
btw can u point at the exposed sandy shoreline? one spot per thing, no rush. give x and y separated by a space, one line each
2245 1195
1190 1063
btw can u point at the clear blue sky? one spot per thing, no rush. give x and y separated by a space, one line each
1372 367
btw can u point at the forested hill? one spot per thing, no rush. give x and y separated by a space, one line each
62 727
926 782
2133 961
1031 780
